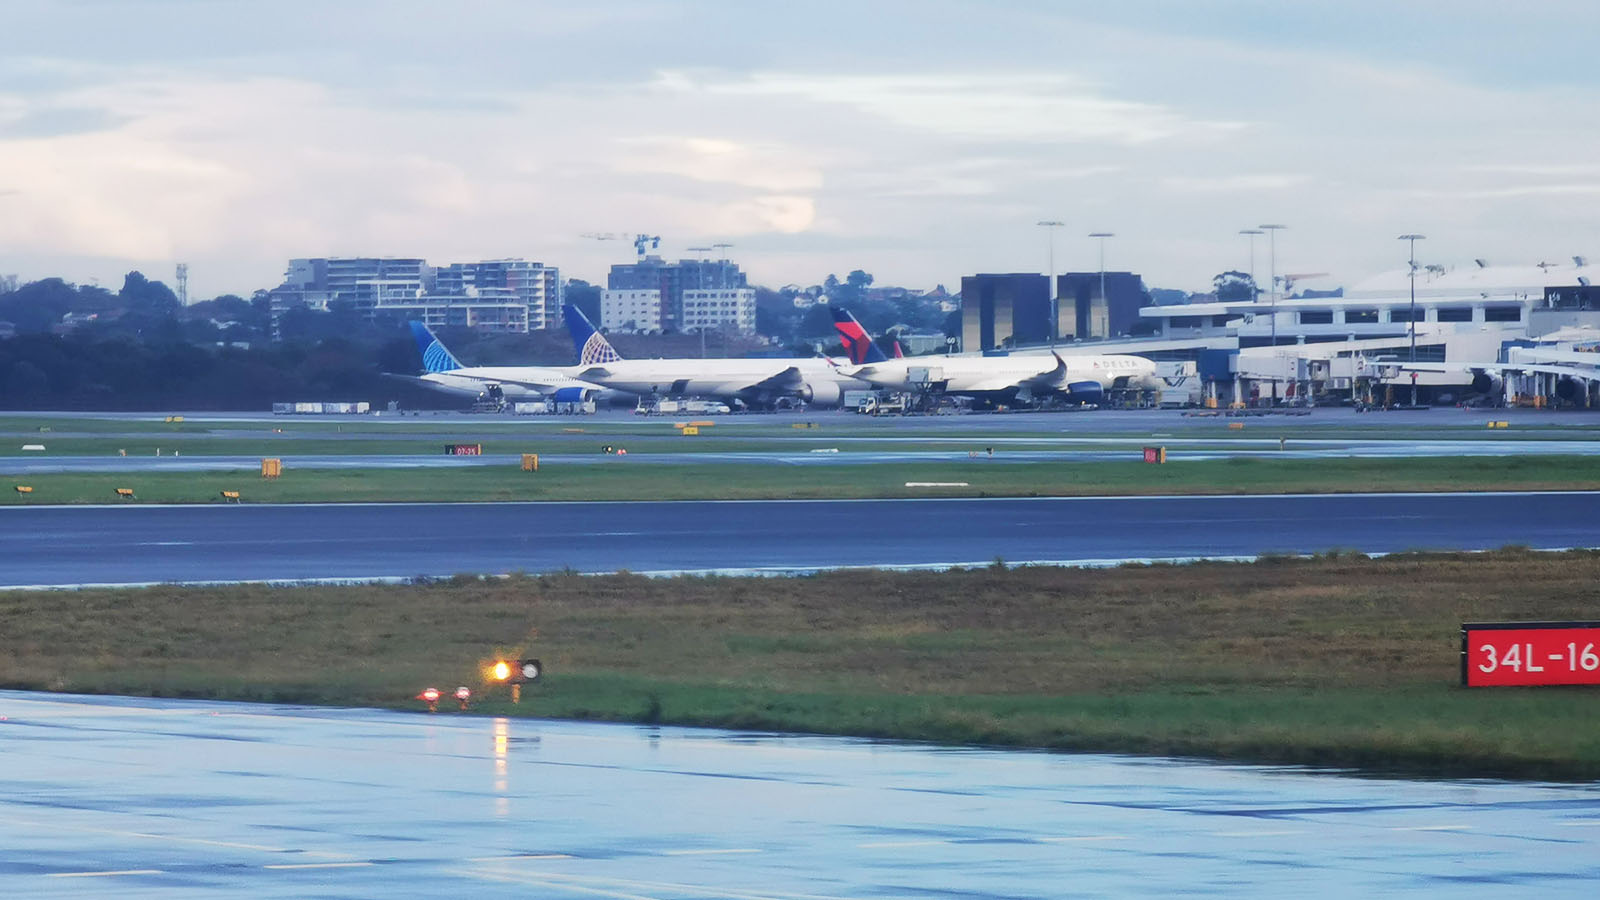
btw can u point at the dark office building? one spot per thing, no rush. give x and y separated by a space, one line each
999 311
1086 314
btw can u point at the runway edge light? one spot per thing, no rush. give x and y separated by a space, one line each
430 696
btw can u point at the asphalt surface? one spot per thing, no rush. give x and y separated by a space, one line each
148 798
1097 420
67 545
1075 450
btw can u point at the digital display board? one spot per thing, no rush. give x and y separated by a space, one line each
1527 654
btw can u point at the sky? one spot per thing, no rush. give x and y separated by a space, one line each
919 141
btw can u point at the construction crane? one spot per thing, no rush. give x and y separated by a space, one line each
641 242
724 248
1288 280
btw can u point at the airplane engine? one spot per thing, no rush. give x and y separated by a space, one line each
570 395
1487 383
1086 392
1569 389
825 393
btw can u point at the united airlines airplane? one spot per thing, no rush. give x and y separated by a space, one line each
753 382
443 371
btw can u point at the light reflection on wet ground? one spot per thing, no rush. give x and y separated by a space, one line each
200 797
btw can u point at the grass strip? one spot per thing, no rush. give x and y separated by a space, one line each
631 478
1337 661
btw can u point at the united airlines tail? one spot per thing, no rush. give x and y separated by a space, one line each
857 343
592 346
435 358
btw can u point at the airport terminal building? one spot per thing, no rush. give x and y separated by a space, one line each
1481 333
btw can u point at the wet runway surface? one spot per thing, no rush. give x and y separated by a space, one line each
147 798
67 545
1074 450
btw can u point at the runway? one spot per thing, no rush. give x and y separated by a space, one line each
132 798
844 451
67 545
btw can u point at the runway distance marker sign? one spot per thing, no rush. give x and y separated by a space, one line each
1530 654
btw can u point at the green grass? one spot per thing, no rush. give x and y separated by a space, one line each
634 478
1336 661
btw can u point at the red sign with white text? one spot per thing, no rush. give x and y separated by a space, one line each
1530 654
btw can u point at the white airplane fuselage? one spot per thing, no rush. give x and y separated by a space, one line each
991 374
810 379
515 382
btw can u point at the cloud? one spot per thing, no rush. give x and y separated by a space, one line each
768 166
1233 184
1022 105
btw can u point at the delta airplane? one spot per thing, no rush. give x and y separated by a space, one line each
752 382
443 371
1018 379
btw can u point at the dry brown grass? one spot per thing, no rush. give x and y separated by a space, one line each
1355 657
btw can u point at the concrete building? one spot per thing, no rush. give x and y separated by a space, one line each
533 285
631 310
719 308
1096 306
506 295
1467 322
684 289
1000 311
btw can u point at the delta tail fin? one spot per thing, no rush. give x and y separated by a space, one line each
857 343
435 358
592 346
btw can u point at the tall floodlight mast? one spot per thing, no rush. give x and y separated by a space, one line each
1412 239
1055 298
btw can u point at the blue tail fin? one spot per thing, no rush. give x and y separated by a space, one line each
592 346
435 358
857 343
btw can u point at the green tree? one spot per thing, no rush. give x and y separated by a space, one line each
1235 287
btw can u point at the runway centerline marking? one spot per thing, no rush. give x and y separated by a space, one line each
522 856
1089 837
324 865
1252 834
721 852
104 874
879 844
1432 828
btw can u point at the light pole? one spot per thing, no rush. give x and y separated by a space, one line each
1272 285
1102 235
1413 238
1255 291
1055 300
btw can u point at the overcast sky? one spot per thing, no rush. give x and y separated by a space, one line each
919 140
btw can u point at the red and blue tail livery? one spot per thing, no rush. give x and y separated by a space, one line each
857 343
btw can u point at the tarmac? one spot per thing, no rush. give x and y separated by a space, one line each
137 544
123 797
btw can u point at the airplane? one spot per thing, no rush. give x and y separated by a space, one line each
442 371
767 383
1016 379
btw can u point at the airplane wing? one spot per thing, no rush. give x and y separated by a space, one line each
990 384
1052 378
1049 379
1468 367
789 379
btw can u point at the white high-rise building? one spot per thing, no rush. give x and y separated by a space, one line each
630 310
719 308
